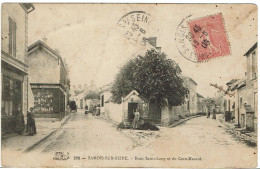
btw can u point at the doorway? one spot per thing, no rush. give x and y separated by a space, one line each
131 109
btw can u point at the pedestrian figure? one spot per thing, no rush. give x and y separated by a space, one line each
31 127
94 110
86 109
136 119
214 114
19 120
97 110
208 114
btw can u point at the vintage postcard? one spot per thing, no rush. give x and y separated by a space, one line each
129 85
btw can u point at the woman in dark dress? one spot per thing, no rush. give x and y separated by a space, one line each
214 114
31 128
19 120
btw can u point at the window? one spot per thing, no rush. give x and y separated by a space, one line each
12 37
43 100
188 105
228 105
11 95
233 106
102 101
254 69
241 102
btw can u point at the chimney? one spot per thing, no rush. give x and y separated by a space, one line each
152 41
44 40
92 83
57 51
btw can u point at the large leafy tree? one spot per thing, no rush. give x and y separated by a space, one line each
154 76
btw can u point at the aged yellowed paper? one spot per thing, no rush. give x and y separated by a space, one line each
129 85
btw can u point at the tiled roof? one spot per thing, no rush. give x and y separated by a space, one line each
199 95
251 49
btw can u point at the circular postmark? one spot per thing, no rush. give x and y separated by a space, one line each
183 39
135 26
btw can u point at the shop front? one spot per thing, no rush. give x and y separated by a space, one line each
49 101
12 81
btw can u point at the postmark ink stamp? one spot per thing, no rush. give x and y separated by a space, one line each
135 25
183 40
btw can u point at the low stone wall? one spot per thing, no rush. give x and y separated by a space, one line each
113 111
170 114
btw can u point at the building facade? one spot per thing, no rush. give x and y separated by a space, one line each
49 81
14 59
241 105
235 100
149 112
201 107
190 106
251 87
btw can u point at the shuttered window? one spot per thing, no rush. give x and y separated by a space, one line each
12 37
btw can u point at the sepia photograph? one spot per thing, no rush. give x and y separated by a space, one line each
129 85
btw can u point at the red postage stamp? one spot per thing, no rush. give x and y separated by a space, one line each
209 37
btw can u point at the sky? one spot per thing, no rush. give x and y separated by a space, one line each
94 46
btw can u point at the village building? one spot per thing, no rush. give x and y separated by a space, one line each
251 88
241 96
219 104
234 101
79 95
130 104
201 107
190 106
123 112
230 100
105 101
14 60
149 112
49 81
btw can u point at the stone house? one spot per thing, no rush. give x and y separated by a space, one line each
14 59
105 101
190 107
77 94
234 104
123 112
242 106
149 112
251 87
230 100
131 103
201 107
49 81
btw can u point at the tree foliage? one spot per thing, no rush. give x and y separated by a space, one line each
209 102
92 95
154 76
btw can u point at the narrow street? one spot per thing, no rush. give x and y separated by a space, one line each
86 133
206 139
201 138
